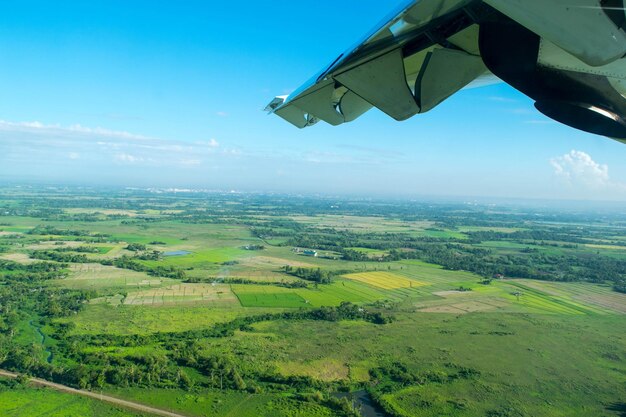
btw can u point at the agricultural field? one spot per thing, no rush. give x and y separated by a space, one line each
94 276
384 280
211 307
17 400
265 296
213 294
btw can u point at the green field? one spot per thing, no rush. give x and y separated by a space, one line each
28 401
230 404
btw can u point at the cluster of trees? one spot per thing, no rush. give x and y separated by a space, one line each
51 230
211 280
152 255
620 286
394 376
66 256
79 249
127 262
12 272
136 247
59 256
573 235
25 295
143 253
460 254
316 275
354 255
345 311
452 256
85 368
253 247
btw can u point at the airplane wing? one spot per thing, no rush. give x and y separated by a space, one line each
567 55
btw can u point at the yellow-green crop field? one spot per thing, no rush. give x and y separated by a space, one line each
384 280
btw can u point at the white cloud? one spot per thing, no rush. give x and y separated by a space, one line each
100 145
127 158
578 169
38 126
232 152
190 162
104 132
222 114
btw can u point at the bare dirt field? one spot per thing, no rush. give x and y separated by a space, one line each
272 262
55 244
21 258
92 275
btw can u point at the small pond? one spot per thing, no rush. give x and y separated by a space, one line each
177 253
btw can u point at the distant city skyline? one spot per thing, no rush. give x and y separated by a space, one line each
170 95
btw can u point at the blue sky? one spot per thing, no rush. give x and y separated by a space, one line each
170 94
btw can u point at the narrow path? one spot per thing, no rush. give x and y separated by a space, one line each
106 398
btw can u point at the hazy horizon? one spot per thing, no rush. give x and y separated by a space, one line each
485 201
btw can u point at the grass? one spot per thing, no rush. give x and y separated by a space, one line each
96 276
563 305
206 403
126 320
340 291
591 295
27 401
372 253
524 361
264 299
268 296
333 294
202 257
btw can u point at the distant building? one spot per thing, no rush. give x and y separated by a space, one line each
308 252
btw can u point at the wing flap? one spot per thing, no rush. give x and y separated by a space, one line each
382 83
445 72
352 106
297 117
320 104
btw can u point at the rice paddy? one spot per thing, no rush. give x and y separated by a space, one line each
182 294
97 276
268 296
384 280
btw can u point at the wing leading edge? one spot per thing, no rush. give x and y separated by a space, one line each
568 55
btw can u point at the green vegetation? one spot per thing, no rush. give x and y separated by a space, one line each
429 309
20 400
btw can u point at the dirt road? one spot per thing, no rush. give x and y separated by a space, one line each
112 400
